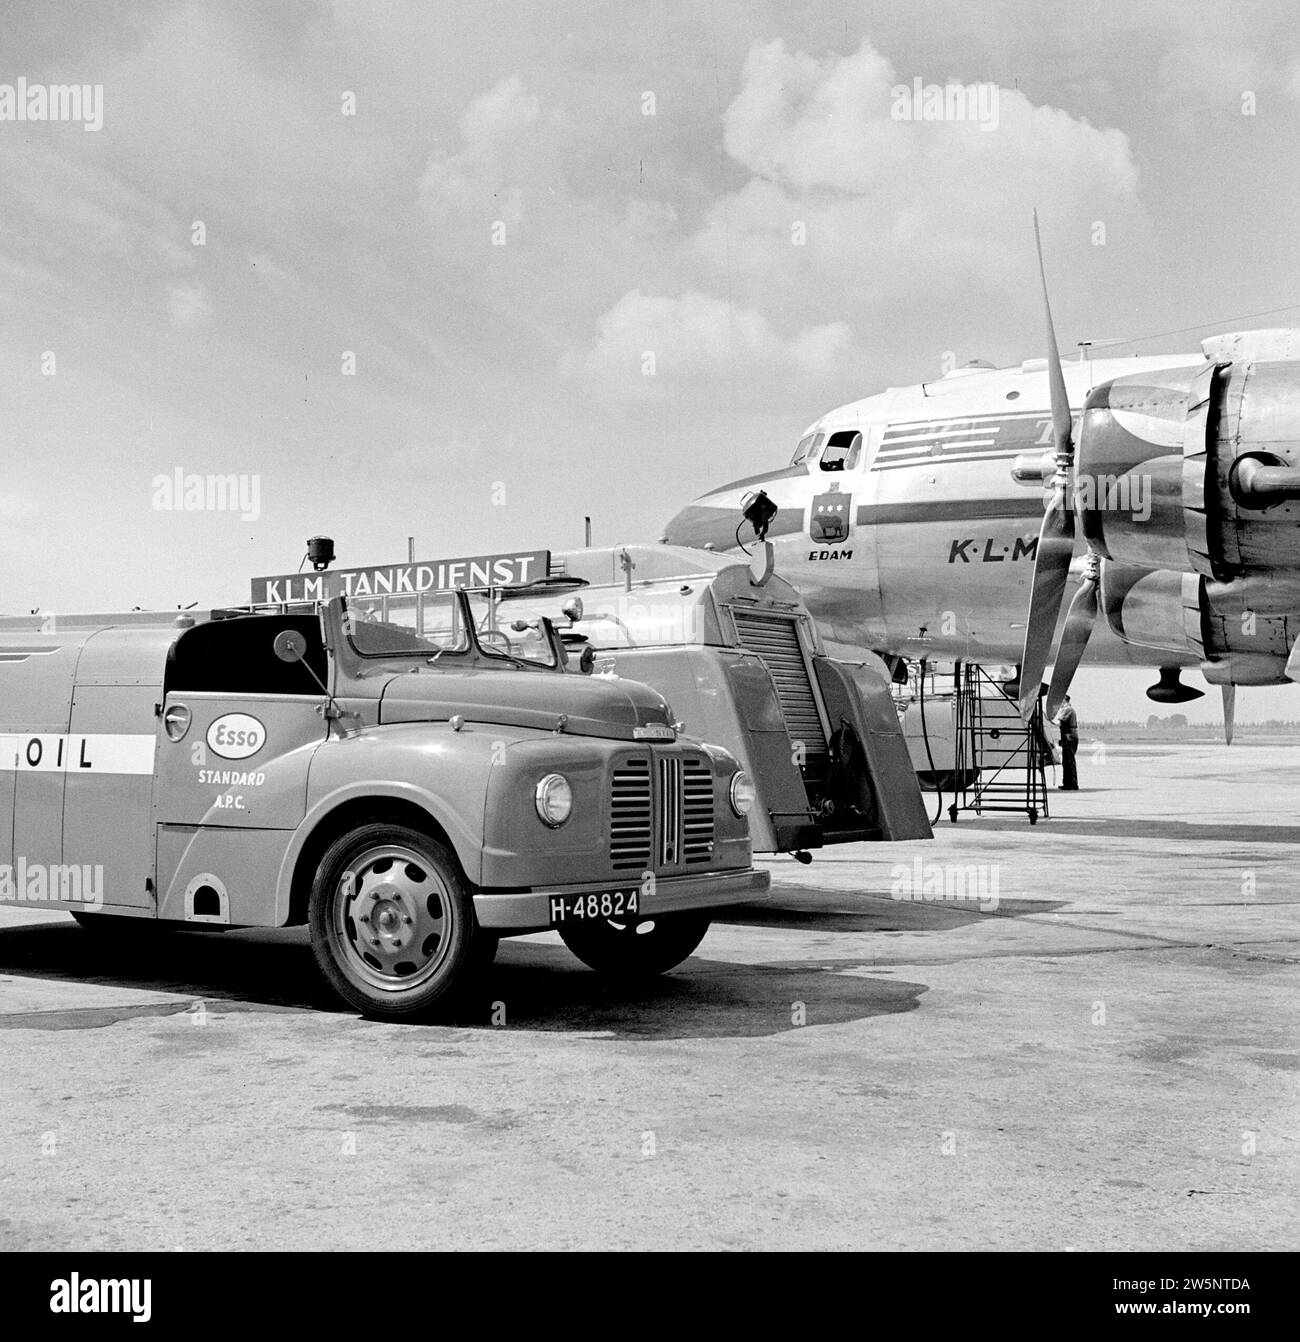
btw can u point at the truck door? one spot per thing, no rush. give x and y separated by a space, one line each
239 726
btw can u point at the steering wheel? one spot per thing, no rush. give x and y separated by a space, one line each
497 638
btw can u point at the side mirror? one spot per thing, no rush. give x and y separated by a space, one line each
572 609
290 646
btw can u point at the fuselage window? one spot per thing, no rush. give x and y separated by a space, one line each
842 451
807 446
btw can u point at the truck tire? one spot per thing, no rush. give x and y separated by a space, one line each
392 923
638 950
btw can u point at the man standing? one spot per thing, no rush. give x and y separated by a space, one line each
1067 720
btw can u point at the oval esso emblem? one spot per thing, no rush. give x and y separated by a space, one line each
236 736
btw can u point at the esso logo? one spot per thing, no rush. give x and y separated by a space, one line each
236 736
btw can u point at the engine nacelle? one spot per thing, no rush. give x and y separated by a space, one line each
1197 470
1240 631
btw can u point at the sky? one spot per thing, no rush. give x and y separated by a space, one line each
398 265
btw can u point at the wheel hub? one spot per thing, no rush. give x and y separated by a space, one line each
392 919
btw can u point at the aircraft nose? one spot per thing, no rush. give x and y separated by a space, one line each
711 521
708 523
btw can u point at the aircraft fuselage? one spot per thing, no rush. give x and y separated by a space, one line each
900 522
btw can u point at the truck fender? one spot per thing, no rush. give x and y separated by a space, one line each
464 839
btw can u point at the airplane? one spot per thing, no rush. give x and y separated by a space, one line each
951 520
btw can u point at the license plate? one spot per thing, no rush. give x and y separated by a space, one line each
607 904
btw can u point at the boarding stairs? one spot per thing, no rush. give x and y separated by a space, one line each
1001 759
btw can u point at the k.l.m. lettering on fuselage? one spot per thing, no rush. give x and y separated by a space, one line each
990 550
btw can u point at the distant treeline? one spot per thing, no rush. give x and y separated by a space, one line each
1177 722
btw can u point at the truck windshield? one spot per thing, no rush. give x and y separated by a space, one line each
435 625
652 615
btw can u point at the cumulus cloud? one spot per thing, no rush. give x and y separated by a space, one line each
478 179
858 226
813 123
904 203
646 341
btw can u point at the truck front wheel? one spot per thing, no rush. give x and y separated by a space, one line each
392 922
635 950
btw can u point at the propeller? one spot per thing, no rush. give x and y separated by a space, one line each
1079 621
1056 537
1229 710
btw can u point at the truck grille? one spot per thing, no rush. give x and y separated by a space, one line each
670 809
697 810
665 812
630 826
775 639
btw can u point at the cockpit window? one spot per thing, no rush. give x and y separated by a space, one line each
808 445
842 451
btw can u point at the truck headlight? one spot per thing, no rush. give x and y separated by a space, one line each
554 800
743 792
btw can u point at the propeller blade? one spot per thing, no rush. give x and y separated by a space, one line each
1062 424
1074 640
1056 539
1051 571
1229 710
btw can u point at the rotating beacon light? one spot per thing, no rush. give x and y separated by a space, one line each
320 552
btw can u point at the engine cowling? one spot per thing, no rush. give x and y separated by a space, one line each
1240 631
1197 470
